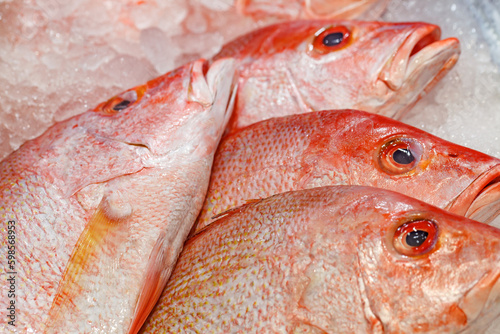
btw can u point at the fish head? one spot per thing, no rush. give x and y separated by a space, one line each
424 270
300 66
176 108
385 153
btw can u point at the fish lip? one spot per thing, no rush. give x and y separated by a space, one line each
478 301
422 49
481 199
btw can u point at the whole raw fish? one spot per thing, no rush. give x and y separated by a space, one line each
343 259
332 9
301 66
103 201
349 147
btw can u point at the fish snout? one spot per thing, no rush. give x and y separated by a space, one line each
420 61
393 73
481 199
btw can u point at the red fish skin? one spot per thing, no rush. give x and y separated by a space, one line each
340 147
323 260
144 168
382 67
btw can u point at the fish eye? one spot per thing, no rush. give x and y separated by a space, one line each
399 156
416 237
122 101
330 39
333 39
403 156
122 105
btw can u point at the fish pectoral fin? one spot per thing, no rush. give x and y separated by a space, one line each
109 215
158 270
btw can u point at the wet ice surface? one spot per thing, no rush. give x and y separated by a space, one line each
60 58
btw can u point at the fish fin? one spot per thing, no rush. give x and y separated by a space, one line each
107 217
198 90
207 79
154 282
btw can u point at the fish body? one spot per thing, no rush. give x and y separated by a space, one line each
302 66
350 147
103 201
313 9
340 259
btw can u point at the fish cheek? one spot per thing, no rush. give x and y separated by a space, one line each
391 282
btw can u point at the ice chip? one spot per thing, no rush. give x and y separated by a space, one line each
159 49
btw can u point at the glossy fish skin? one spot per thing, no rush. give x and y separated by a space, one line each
104 201
313 9
349 147
329 260
380 67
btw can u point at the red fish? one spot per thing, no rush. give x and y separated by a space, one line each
102 202
343 259
301 66
350 147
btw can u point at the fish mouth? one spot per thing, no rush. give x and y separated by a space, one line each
418 64
481 199
480 301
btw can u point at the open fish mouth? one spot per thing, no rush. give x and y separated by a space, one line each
481 199
419 63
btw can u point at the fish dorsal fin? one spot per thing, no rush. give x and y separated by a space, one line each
108 217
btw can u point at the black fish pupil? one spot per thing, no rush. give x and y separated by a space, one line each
416 238
333 39
403 156
122 105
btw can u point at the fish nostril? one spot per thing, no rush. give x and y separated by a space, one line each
453 155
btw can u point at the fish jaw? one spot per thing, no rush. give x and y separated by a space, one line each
481 199
418 64
415 67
